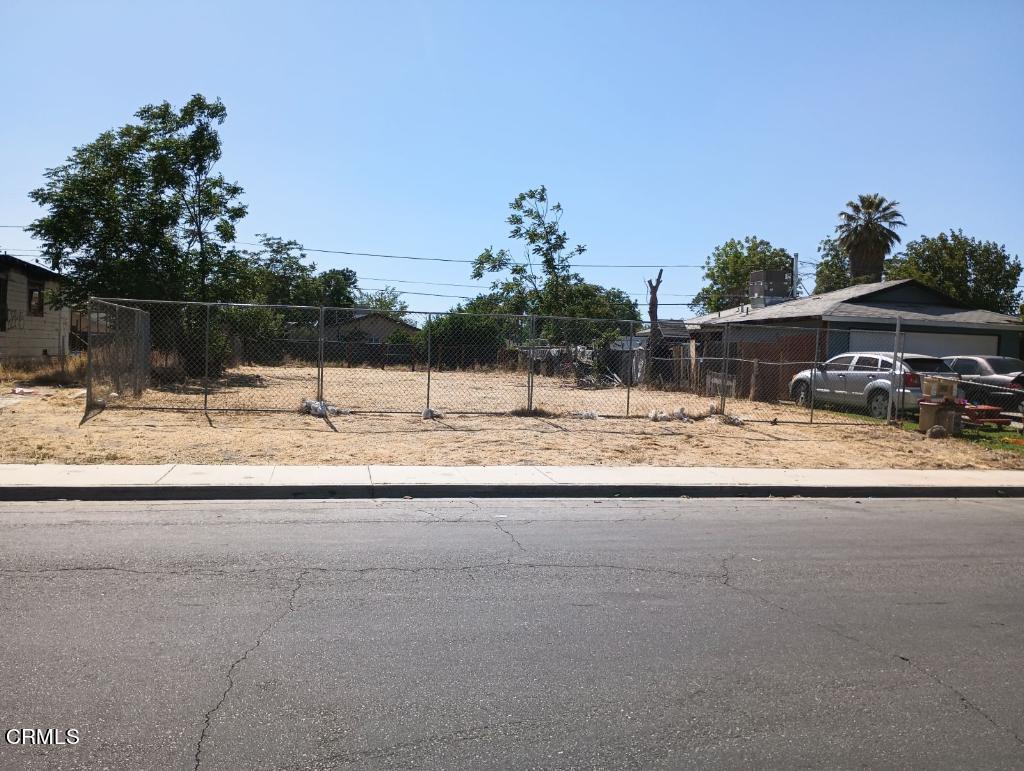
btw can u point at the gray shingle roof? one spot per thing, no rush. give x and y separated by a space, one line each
842 303
28 267
670 328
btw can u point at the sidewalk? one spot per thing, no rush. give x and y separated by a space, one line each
186 482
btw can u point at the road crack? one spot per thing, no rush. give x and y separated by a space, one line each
208 717
834 629
515 540
726 578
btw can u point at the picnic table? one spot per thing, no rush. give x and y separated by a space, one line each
978 414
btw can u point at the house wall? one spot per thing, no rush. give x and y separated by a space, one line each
366 329
1008 345
764 357
32 336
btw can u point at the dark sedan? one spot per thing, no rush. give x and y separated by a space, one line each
995 380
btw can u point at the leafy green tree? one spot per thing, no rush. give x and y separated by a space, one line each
237 277
546 251
337 287
186 148
140 211
598 316
284 275
980 274
466 337
543 281
833 269
280 273
867 234
387 301
727 272
108 228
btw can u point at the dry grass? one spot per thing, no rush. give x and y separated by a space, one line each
364 389
44 371
44 427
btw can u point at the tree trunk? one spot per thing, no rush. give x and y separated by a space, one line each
655 342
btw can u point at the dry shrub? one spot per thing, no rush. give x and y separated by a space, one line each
45 371
536 412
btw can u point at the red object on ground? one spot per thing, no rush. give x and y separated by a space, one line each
984 413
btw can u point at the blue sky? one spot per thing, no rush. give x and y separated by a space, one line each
663 128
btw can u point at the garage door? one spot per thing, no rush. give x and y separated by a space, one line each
930 343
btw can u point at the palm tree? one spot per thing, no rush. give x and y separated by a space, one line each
866 234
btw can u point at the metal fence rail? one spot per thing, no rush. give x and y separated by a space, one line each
221 356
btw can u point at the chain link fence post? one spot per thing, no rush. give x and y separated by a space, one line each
725 370
90 394
632 365
430 324
529 363
895 378
320 358
206 359
814 366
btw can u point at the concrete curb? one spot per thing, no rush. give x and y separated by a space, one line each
27 482
392 491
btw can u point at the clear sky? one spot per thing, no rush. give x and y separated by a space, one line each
663 128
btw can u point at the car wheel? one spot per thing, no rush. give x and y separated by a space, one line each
802 395
878 405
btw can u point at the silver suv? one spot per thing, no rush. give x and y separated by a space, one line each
861 379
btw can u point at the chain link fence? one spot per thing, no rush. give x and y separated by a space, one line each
220 357
119 354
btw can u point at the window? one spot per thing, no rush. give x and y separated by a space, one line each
35 298
840 363
1001 366
967 367
927 365
867 364
3 303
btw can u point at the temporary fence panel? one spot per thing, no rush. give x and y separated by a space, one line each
223 356
478 363
679 376
577 366
117 369
177 356
374 361
261 357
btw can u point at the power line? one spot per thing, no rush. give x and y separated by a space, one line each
26 253
426 283
421 294
379 255
461 261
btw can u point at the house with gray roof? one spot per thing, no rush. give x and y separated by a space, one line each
755 349
863 318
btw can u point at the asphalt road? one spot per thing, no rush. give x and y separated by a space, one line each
498 634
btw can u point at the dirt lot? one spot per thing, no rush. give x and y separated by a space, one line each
44 427
451 392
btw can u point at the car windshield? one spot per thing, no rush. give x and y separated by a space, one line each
1004 366
921 364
